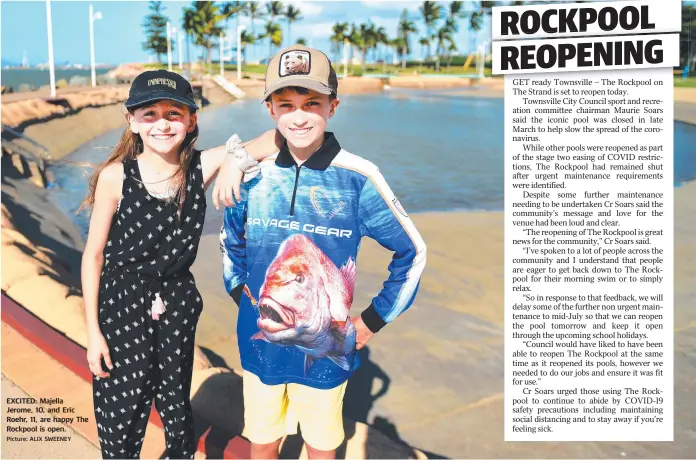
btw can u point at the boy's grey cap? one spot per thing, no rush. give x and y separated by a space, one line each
300 66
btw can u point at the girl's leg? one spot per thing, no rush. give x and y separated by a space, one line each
122 402
175 349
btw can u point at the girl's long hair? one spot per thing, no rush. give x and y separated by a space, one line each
129 147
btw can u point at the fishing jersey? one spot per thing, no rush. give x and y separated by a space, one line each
289 252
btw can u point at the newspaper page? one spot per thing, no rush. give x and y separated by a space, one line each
503 190
588 219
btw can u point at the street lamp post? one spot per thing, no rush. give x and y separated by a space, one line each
169 46
240 29
177 33
180 40
92 17
222 54
51 69
346 45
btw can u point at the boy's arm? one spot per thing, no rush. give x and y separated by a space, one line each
233 247
383 219
233 167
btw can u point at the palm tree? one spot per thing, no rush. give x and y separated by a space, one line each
398 44
292 14
339 35
456 11
274 34
254 11
301 41
405 29
188 24
232 9
155 25
273 10
452 48
381 38
368 39
444 36
356 39
423 42
246 39
431 12
206 18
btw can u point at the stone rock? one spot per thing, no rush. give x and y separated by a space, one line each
18 265
7 221
78 80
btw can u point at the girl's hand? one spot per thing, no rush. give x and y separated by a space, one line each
227 185
96 349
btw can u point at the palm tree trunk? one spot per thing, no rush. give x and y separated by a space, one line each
253 33
289 41
404 50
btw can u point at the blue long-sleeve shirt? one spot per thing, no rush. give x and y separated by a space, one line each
289 250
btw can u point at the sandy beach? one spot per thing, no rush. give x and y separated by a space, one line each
441 363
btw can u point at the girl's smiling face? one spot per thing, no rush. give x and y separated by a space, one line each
163 126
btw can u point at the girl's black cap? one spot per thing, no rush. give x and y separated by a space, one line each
155 85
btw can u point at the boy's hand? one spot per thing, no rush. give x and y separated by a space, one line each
362 333
227 185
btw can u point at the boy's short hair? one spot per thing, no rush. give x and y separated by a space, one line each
300 67
298 89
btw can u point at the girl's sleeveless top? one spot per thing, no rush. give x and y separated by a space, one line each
148 238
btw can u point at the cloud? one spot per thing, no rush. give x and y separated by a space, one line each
314 30
389 5
307 8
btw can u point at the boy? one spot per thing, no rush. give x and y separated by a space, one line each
293 272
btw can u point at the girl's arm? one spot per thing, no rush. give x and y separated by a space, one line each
106 197
259 148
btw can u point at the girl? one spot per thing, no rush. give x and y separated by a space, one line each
141 302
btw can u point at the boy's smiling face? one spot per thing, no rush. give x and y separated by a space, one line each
302 118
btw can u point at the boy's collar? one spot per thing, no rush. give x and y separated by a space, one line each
320 160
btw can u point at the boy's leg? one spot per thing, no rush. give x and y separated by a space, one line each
320 413
265 408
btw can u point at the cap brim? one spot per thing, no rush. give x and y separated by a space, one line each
302 82
145 99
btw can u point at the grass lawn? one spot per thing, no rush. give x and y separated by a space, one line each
688 83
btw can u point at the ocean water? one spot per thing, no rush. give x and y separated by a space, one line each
39 78
437 152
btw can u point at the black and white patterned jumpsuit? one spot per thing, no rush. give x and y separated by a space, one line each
150 249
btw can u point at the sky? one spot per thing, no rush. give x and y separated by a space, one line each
119 35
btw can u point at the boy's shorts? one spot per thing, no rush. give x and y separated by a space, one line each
273 411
